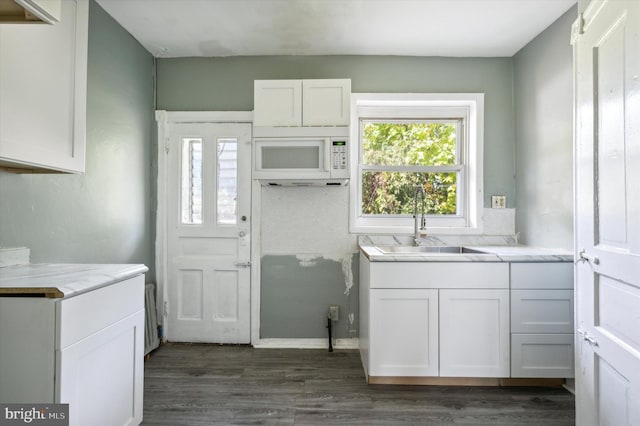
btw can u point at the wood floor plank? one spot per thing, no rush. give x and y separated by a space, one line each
195 384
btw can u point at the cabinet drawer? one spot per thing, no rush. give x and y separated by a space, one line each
556 275
447 275
542 311
542 355
88 313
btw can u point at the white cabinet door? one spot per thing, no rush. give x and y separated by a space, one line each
101 377
474 333
404 333
277 103
43 83
100 354
326 102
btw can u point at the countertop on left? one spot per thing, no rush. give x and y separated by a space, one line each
63 280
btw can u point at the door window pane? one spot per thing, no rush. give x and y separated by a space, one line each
191 203
227 177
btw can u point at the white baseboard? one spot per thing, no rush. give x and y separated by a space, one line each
306 344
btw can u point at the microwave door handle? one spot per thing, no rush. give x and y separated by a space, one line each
327 156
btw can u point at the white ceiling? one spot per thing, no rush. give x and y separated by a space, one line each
182 28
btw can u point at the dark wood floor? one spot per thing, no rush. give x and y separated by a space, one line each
238 385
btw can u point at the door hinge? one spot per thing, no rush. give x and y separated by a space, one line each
166 146
165 309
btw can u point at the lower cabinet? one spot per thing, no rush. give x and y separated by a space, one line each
474 333
542 320
404 332
421 332
86 351
481 320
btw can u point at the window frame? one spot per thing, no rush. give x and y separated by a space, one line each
389 107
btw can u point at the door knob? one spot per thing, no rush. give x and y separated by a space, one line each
584 257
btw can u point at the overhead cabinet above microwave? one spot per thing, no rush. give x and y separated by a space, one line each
301 103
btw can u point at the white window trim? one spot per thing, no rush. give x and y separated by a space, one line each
386 105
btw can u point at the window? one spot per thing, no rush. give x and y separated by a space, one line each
227 193
410 141
195 159
191 203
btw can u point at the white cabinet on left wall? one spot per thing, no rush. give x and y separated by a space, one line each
74 334
43 92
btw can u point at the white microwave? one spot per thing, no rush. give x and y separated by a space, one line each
313 161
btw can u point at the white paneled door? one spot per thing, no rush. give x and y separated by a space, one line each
208 235
608 214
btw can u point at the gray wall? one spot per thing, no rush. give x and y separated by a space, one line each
105 215
226 84
543 96
309 258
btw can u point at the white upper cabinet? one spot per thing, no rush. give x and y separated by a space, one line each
295 103
29 11
43 88
326 102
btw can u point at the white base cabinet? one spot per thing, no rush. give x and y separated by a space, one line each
542 320
434 319
86 351
404 330
474 333
466 319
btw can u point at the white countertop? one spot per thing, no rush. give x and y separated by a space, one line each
491 254
63 280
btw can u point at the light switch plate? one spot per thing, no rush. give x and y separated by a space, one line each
498 201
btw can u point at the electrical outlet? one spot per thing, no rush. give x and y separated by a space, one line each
334 312
498 201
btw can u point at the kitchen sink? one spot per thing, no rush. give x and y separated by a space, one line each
426 249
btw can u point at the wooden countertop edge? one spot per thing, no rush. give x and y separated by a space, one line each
48 292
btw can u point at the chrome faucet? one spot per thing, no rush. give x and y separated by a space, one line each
419 224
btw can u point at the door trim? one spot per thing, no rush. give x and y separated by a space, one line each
164 119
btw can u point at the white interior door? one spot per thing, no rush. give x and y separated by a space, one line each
608 215
208 235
